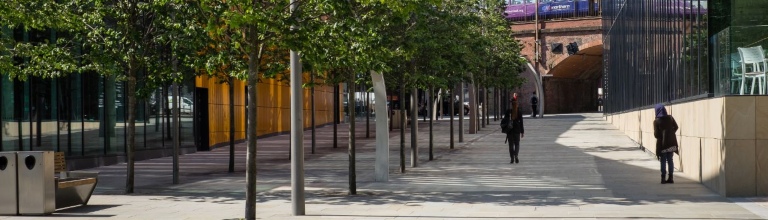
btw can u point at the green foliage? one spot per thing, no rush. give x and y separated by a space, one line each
239 29
351 37
503 64
446 43
419 43
44 59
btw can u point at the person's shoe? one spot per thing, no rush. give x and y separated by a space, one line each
663 181
517 160
512 161
670 180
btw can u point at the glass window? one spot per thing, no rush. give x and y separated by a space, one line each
740 39
73 95
159 121
116 115
186 122
10 132
43 114
94 130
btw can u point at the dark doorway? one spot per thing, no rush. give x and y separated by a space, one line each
201 119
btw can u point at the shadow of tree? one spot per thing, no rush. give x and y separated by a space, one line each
577 175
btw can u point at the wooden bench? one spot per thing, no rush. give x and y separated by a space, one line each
72 187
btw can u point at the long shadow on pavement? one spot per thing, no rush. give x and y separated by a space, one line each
566 161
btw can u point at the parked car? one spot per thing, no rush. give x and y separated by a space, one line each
185 105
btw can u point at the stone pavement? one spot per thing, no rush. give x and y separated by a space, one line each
573 166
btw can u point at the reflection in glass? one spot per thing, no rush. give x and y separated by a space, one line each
75 115
93 138
43 124
739 26
186 91
10 133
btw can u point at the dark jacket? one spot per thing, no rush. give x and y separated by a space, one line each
518 123
664 129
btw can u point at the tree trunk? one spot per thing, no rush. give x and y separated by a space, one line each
231 124
476 106
166 114
336 112
452 107
131 142
414 128
367 113
461 112
312 109
351 105
485 107
402 126
496 100
253 77
176 141
431 116
472 108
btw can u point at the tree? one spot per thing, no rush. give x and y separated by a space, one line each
41 59
254 36
357 39
124 38
117 39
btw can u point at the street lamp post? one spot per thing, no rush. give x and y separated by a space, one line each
297 132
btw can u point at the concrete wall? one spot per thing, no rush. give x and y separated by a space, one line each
724 141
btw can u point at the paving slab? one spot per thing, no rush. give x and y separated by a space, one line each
572 166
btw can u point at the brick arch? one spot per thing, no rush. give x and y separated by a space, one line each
585 64
562 93
592 44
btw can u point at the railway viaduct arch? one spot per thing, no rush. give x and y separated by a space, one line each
570 82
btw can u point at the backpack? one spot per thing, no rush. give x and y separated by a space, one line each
507 127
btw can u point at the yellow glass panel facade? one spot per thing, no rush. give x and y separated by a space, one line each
274 107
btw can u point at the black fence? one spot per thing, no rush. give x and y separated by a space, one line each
654 52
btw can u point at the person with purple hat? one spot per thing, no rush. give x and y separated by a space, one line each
664 128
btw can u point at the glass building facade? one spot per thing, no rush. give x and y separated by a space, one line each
706 61
655 52
667 51
83 115
738 38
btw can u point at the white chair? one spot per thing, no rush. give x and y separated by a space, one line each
736 75
753 65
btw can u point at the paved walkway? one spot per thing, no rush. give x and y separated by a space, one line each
572 167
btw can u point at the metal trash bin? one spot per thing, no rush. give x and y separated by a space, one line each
37 195
9 203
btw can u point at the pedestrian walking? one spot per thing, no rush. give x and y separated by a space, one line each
512 123
599 104
664 128
534 105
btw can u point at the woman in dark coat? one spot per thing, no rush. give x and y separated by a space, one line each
516 132
664 128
